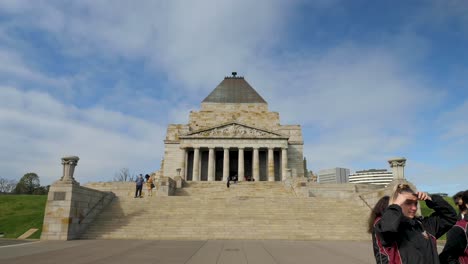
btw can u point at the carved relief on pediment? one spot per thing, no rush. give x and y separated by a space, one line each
235 131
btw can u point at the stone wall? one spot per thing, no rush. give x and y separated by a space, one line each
70 209
294 132
120 189
172 159
214 114
164 186
296 160
175 130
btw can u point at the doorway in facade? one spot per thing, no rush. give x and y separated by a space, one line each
233 162
219 160
248 165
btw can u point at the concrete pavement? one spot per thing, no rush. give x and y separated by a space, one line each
189 252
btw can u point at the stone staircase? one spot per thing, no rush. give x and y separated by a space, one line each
247 210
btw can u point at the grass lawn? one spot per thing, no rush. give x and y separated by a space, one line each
19 213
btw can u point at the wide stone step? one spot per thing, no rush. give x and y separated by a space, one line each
247 210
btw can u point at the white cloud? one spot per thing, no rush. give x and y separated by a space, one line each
437 177
37 130
13 66
356 102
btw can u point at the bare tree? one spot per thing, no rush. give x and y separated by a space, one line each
6 185
124 175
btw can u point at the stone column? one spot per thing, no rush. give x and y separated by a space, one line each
182 164
271 165
284 163
226 164
211 161
240 166
69 164
256 165
196 164
398 167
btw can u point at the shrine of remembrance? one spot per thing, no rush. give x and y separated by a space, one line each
233 134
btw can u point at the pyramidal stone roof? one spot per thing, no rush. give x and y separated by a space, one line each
234 90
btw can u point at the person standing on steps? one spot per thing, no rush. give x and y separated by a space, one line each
456 248
149 184
139 186
413 238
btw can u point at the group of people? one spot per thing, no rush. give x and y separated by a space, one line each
140 181
234 178
400 236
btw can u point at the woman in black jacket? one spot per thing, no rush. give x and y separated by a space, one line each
381 254
413 239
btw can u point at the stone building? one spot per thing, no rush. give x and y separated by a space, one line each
234 133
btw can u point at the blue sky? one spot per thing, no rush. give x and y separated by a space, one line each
366 80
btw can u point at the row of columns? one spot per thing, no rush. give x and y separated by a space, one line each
241 172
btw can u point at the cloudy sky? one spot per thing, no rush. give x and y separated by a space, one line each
366 80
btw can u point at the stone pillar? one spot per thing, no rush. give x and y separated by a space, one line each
284 163
70 208
211 162
181 169
69 164
226 164
196 164
240 167
398 167
271 165
256 165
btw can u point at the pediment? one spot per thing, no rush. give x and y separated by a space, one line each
233 130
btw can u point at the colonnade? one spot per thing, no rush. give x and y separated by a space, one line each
195 170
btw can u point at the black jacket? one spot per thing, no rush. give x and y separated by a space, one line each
456 246
415 239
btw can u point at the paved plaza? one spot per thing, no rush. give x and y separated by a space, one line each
190 252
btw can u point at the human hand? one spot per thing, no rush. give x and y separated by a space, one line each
423 196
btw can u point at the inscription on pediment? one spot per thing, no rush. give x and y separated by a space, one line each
235 131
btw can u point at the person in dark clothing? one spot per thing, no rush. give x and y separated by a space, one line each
380 253
412 239
139 185
456 248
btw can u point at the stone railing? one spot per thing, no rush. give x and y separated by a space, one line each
70 207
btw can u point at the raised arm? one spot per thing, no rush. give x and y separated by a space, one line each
443 218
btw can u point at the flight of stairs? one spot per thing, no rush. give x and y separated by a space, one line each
247 210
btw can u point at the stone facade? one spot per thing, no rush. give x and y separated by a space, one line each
234 133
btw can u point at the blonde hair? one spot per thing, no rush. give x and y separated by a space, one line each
400 188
